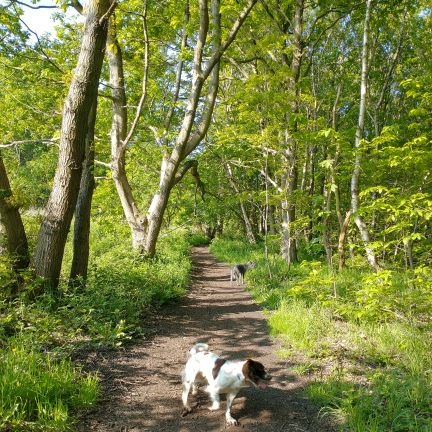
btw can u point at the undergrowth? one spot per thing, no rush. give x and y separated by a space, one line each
365 338
40 388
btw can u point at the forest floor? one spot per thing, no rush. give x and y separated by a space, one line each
141 384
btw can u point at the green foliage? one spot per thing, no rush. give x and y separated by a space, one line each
7 275
39 388
197 239
39 391
368 332
261 126
303 328
316 283
392 402
234 251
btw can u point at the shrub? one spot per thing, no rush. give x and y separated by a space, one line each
373 329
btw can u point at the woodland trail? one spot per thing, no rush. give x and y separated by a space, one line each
142 385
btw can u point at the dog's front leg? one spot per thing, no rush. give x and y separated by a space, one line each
229 418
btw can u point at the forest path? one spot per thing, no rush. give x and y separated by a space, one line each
142 384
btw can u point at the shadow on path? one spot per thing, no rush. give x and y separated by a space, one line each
142 385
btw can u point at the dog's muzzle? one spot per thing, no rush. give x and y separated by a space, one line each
265 381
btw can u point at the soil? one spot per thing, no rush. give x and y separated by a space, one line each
142 384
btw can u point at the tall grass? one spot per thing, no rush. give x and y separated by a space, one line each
38 392
367 334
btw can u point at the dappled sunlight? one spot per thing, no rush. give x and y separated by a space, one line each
143 385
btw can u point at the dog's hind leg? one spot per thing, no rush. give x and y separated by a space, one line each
229 418
214 396
188 384
185 394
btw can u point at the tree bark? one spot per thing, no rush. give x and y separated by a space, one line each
82 95
341 242
81 240
187 140
17 245
355 203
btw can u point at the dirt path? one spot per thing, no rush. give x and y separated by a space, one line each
142 385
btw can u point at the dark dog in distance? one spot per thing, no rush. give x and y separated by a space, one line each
239 270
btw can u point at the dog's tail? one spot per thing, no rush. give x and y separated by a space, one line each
198 347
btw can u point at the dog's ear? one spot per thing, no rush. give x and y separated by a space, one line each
255 372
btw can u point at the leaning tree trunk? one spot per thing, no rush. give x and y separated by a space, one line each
81 240
355 202
186 140
119 140
196 121
17 245
82 95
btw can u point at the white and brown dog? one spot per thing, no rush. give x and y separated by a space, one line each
221 376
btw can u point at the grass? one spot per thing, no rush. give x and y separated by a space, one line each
365 339
41 389
38 391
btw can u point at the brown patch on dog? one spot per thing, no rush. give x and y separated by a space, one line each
255 372
218 364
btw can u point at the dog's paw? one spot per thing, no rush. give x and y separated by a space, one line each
186 411
232 421
215 406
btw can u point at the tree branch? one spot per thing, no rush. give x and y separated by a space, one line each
192 166
197 81
271 181
144 81
183 45
213 85
40 46
33 141
230 38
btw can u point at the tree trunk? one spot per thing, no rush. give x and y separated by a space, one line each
157 209
326 228
246 221
289 242
81 240
17 245
341 243
133 216
355 205
187 141
82 95
146 228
